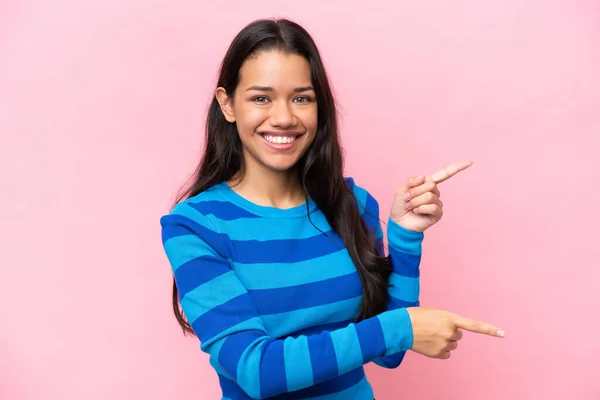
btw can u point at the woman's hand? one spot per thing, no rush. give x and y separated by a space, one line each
436 332
417 204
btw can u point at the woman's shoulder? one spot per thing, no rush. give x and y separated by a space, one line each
362 194
367 204
201 207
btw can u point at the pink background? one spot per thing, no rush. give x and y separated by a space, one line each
101 111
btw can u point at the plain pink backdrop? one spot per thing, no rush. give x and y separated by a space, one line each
101 112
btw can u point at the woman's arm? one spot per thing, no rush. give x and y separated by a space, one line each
404 248
223 316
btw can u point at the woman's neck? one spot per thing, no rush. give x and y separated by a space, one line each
266 187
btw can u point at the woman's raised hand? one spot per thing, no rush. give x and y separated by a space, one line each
417 204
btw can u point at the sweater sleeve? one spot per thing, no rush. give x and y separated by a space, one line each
229 327
404 248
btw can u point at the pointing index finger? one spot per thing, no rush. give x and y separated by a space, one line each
472 325
451 170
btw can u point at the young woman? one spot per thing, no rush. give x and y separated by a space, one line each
278 259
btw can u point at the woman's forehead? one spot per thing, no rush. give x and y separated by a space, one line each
275 69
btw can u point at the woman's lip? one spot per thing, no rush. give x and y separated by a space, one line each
280 146
274 133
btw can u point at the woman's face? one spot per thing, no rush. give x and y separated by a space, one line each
274 108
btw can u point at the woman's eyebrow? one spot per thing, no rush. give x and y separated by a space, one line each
270 89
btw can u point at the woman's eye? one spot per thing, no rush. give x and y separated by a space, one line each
302 99
260 99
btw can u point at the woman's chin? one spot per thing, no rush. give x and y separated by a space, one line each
281 167
280 164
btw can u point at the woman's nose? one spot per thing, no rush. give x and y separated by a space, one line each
282 115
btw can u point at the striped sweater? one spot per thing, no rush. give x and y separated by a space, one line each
272 299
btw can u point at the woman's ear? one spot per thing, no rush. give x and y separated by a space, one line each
226 104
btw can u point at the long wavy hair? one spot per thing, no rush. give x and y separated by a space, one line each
320 168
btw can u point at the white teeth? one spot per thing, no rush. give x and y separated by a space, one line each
279 139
